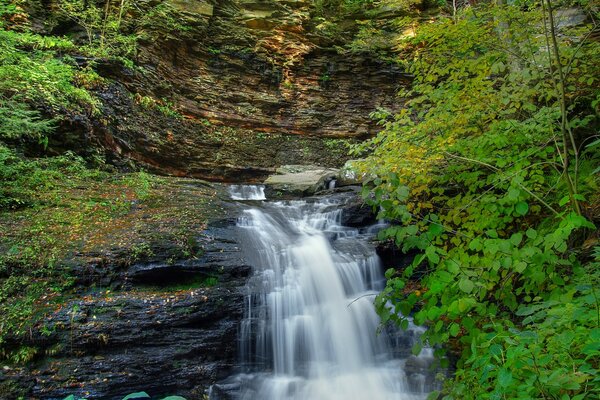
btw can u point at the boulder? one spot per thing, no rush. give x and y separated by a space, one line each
569 17
347 175
298 180
357 214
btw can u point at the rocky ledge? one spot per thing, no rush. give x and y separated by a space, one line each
149 317
169 327
231 90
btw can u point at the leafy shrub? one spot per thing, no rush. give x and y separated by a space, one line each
30 182
486 175
37 75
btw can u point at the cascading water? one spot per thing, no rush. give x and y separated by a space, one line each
310 329
247 192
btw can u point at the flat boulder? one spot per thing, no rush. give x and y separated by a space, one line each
298 180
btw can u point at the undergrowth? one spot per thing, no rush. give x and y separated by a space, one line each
490 174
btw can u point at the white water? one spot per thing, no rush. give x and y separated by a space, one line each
247 192
310 330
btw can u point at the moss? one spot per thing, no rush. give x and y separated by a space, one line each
76 219
196 282
11 389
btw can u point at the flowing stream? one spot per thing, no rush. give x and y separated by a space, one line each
310 328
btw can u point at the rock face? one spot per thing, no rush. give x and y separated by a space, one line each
172 329
236 89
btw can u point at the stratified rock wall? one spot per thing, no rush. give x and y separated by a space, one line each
255 88
172 328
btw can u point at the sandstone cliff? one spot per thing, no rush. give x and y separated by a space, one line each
246 86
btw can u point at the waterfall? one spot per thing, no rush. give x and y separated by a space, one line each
247 192
310 328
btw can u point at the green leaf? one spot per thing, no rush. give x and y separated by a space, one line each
516 238
416 349
404 324
520 266
466 285
452 267
492 233
505 377
137 395
564 201
389 273
531 233
436 229
434 395
521 208
513 193
526 310
591 348
495 350
497 67
454 329
431 254
465 303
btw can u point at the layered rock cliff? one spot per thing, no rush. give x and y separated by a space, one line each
229 90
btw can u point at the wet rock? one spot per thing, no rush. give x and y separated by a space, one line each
569 17
298 180
357 214
164 343
172 328
393 257
420 372
348 176
221 255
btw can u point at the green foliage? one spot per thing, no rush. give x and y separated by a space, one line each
138 395
45 192
341 6
164 19
482 176
140 182
32 182
336 144
165 106
57 213
31 72
168 109
104 24
140 251
554 350
376 26
30 268
17 120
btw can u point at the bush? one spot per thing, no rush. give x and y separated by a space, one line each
488 173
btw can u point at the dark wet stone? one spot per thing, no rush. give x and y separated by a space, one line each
170 330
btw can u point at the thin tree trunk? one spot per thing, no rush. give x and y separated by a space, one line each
565 129
104 23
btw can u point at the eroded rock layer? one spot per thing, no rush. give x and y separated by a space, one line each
236 88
